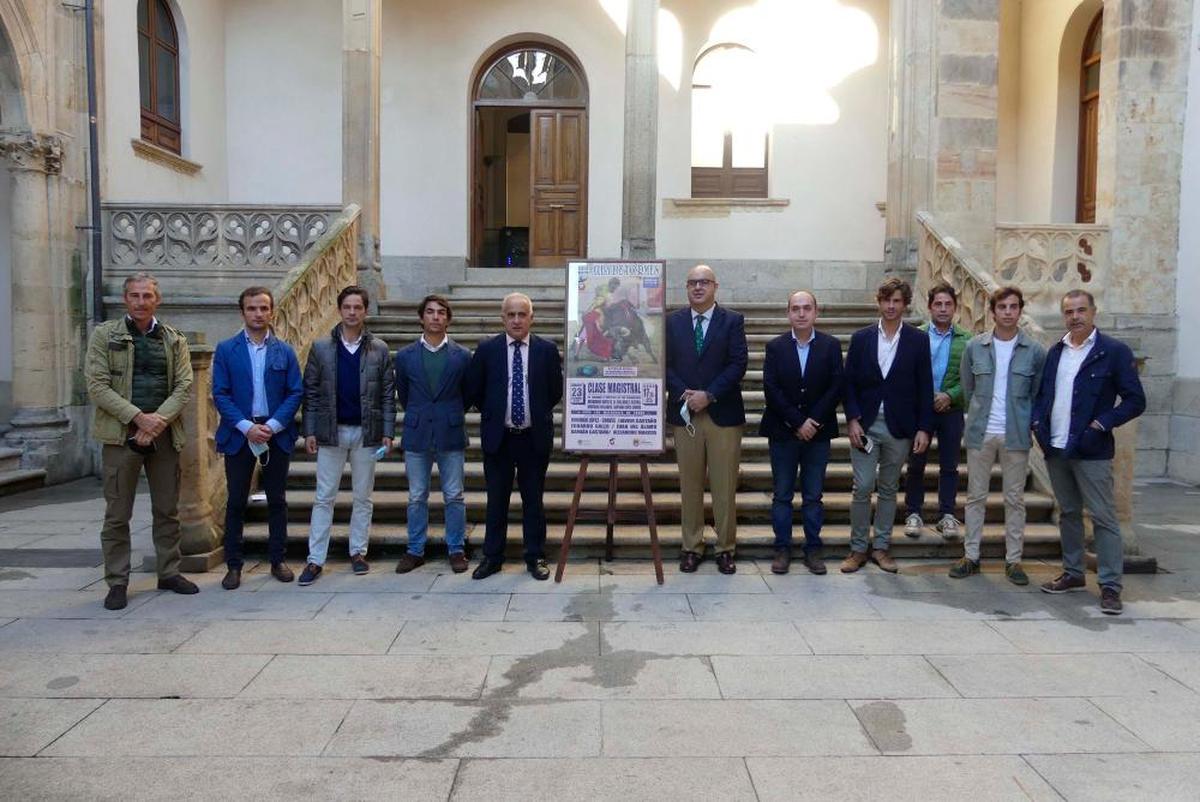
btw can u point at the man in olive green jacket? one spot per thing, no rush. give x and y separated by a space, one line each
139 376
946 344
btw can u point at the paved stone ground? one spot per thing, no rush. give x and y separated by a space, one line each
432 686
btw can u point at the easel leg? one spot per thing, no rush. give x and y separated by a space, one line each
612 509
566 541
654 550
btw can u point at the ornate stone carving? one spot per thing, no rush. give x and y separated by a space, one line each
227 236
1047 260
26 150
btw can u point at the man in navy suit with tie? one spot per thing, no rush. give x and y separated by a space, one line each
706 360
515 380
889 411
802 380
429 386
257 389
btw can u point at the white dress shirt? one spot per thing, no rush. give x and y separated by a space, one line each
352 347
707 315
508 345
1069 362
886 352
434 349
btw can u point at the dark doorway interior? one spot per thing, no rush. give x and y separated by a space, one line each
504 182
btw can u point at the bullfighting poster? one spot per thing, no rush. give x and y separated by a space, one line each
614 342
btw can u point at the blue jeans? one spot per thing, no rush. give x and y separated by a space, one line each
418 465
810 459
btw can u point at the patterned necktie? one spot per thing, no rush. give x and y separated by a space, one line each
699 333
518 386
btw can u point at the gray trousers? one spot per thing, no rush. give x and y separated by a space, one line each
879 473
1080 484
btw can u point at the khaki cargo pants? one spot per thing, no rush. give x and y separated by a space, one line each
121 468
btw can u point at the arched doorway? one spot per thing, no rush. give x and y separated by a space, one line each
1089 123
529 158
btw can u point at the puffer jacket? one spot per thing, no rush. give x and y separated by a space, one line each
376 385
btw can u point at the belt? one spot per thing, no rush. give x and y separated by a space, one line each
516 432
260 419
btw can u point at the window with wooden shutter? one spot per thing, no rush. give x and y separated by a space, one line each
158 72
729 132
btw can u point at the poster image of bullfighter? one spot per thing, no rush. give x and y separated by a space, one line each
615 323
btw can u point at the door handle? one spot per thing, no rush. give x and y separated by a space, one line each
556 206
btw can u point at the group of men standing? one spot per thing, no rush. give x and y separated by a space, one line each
900 386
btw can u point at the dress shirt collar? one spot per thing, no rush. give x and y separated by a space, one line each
1088 343
434 349
812 336
133 327
510 340
250 340
351 343
707 313
883 332
935 331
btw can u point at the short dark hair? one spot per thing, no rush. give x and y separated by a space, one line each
354 289
250 292
889 288
434 298
942 288
1004 292
1076 293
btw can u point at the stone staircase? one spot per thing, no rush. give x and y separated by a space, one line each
14 478
476 316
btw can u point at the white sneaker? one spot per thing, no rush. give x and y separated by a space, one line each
949 526
913 525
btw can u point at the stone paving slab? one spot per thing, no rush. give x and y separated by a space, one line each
1167 725
456 729
369 677
218 605
1104 635
210 581
1184 668
120 636
685 583
292 637
1182 605
777 607
12 540
1044 675
63 604
153 779
497 638
962 606
599 607
732 728
603 780
46 578
512 580
444 607
624 675
202 728
28 725
903 637
828 677
150 676
992 726
928 779
702 638
381 579
1097 778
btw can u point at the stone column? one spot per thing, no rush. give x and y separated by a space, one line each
38 421
361 36
943 134
201 480
640 186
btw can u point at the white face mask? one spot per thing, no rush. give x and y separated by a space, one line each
686 414
258 449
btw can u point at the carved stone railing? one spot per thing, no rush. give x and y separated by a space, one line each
305 308
1046 261
141 235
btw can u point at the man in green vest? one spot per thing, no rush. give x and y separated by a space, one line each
139 376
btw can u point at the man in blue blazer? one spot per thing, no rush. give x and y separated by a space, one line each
1073 419
802 380
257 389
515 379
429 387
706 360
889 412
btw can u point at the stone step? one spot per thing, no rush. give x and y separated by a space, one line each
752 506
490 324
10 459
18 481
633 541
489 306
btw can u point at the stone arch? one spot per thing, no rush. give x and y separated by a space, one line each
23 89
1066 129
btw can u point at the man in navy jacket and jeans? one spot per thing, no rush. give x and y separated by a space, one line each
889 410
257 389
1073 419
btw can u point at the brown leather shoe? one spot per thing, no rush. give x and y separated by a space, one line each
854 560
410 561
814 563
884 561
689 561
725 563
783 559
458 562
281 572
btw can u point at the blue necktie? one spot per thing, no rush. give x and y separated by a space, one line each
518 386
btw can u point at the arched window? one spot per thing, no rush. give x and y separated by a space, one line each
158 68
1089 123
531 75
729 129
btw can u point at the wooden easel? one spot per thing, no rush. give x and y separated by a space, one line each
610 515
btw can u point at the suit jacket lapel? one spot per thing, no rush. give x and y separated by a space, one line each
713 316
873 352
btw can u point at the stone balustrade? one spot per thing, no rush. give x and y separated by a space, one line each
1046 261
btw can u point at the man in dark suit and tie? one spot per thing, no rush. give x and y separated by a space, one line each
889 412
515 380
257 388
429 387
706 360
802 380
